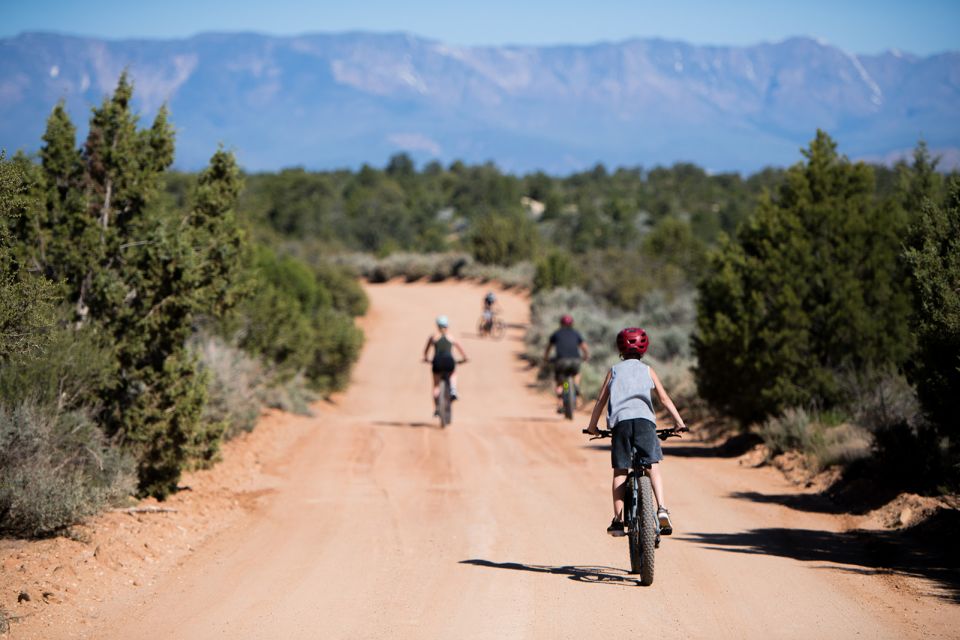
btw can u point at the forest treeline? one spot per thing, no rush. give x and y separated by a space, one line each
147 314
137 331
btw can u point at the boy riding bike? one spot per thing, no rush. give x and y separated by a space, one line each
626 395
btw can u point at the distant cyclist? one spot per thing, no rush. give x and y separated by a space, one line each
443 361
570 346
490 310
626 395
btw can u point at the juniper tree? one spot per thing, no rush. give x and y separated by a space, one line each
809 287
933 254
142 273
26 301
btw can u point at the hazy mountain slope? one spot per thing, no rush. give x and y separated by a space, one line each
333 100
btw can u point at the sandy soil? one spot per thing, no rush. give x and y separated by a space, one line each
368 521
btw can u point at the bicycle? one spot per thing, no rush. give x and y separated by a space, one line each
494 327
640 511
444 402
568 392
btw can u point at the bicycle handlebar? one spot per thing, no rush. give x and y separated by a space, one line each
663 434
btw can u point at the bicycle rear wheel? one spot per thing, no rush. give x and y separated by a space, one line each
482 327
443 403
498 329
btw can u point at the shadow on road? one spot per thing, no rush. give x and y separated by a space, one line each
811 502
590 575
395 423
730 448
928 550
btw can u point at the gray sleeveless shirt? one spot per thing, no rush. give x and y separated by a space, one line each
630 386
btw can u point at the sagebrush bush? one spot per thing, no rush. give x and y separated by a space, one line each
824 445
793 430
235 384
56 468
292 395
518 275
667 321
435 267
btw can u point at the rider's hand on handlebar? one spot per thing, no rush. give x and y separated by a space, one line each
593 431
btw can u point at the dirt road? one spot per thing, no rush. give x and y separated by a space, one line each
384 526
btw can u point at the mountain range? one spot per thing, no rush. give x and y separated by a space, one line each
338 100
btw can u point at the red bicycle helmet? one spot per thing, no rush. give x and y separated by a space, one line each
632 342
566 320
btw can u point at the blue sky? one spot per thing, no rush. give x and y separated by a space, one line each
859 26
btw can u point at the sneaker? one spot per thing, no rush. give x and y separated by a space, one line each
663 516
616 528
453 394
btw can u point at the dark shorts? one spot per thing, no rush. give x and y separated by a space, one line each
444 364
639 434
563 367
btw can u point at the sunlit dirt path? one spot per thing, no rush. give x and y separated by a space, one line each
384 526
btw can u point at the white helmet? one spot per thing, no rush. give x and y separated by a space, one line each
442 322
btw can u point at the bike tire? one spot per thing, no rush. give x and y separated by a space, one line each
569 398
481 327
647 521
498 329
443 404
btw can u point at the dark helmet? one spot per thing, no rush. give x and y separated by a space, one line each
632 342
566 320
490 297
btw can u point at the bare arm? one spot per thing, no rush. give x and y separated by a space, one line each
666 401
598 408
585 350
463 355
546 352
426 349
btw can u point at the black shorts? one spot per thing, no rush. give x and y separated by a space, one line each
563 367
444 364
639 434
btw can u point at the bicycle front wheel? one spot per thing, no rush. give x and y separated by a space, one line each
443 403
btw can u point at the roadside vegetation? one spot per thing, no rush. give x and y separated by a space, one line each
138 330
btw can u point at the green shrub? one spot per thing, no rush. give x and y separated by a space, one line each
502 239
74 367
337 346
56 468
556 269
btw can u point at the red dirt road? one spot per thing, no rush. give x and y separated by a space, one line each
382 525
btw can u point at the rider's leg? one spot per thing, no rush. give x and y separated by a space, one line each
436 386
453 384
657 481
619 491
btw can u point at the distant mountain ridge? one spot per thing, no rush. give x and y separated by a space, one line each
332 100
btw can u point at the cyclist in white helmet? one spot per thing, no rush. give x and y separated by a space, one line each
443 361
